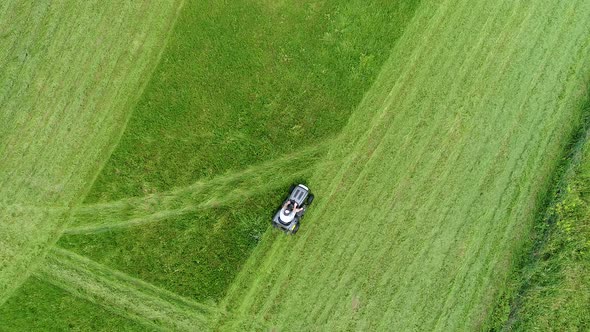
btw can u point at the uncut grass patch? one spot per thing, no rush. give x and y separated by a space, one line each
246 81
40 306
195 255
240 84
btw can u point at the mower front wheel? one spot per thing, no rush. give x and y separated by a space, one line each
310 199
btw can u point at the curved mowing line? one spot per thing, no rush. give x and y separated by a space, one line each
405 185
456 154
219 191
539 69
377 144
29 177
417 257
122 294
349 163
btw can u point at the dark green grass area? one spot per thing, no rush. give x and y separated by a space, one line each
195 255
245 81
40 306
240 82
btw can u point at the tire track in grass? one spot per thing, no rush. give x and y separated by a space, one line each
335 242
219 191
122 294
406 75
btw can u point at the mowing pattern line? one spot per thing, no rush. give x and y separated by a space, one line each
441 184
69 71
122 294
232 187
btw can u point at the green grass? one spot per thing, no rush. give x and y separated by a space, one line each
69 73
551 289
436 180
126 296
240 84
429 132
40 306
243 82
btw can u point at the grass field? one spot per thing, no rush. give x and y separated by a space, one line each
66 92
552 290
418 226
152 141
223 128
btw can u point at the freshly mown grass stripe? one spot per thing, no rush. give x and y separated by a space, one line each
70 72
277 251
504 142
332 240
349 246
475 240
474 193
122 294
428 171
417 259
573 88
230 188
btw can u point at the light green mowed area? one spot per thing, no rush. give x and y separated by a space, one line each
69 73
436 180
423 200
